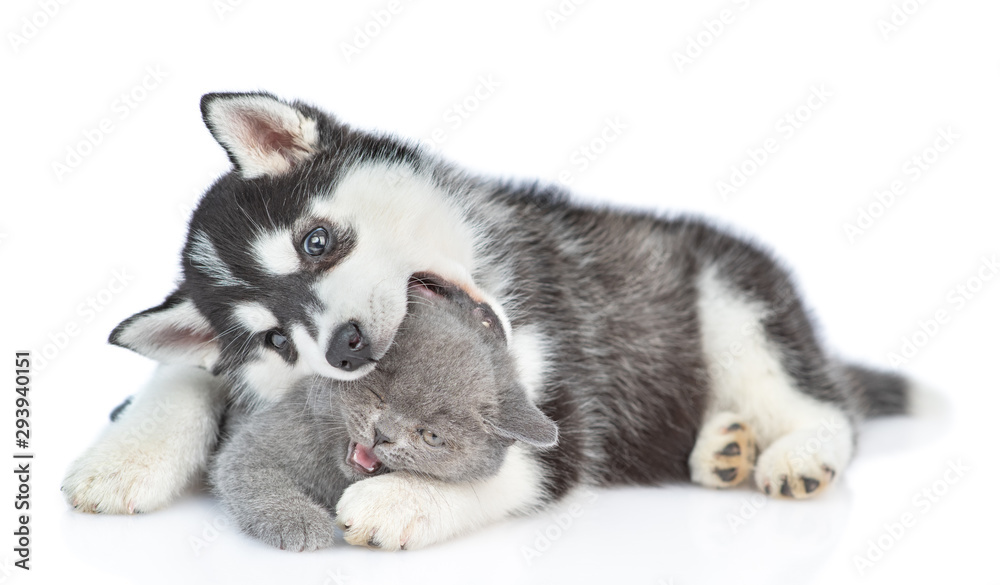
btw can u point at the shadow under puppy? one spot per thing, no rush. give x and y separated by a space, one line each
444 402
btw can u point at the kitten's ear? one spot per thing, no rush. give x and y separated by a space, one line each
173 333
517 418
261 134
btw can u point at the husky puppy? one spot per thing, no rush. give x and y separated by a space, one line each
666 349
444 402
297 263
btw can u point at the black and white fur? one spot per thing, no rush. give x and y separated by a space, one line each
445 402
665 349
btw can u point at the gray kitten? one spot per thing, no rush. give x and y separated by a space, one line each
445 403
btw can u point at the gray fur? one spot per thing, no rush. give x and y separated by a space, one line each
613 293
878 393
282 469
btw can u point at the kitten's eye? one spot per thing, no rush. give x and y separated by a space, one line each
276 340
317 242
430 438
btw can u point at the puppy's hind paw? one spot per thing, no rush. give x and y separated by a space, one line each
725 453
787 471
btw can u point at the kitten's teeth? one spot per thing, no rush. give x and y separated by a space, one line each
365 458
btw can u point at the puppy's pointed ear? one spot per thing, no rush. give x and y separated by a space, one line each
261 134
174 333
518 419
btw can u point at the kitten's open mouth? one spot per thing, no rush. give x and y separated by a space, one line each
363 459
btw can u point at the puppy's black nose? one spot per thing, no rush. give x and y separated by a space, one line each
380 438
348 349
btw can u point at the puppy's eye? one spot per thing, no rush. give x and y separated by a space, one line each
276 340
430 438
317 242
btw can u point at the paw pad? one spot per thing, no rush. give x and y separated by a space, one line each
725 453
800 486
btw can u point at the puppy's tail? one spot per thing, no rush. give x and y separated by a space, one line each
879 393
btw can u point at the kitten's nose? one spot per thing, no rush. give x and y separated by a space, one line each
380 438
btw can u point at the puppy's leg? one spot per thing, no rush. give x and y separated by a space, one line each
155 449
805 436
399 510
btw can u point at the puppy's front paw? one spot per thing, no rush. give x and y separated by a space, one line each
118 476
389 512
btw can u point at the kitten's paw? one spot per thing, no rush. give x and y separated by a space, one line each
788 469
297 525
389 512
124 477
725 453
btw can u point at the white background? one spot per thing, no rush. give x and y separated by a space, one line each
123 207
